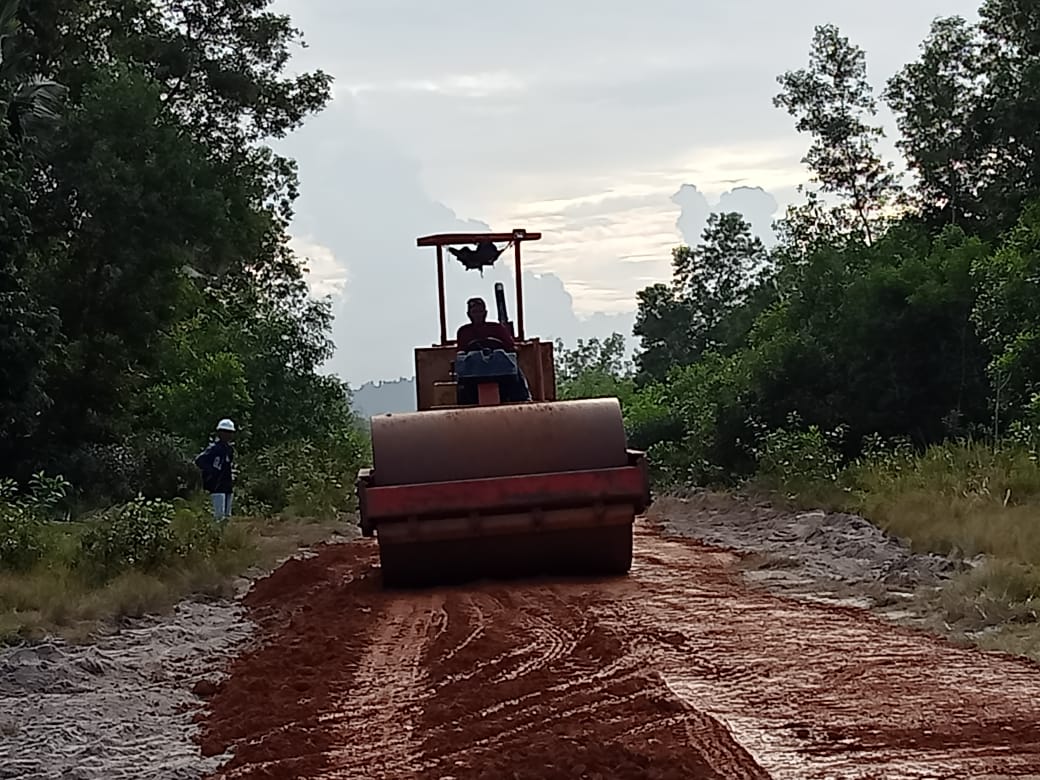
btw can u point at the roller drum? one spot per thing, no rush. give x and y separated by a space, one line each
478 442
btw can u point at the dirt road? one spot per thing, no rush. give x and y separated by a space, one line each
681 670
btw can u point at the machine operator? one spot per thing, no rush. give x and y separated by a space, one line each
477 329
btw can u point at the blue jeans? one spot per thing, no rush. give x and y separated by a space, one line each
221 506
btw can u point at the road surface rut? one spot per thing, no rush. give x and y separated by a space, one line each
678 671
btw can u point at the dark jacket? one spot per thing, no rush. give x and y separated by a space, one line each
215 462
476 331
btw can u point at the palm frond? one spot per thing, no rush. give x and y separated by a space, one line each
35 107
39 99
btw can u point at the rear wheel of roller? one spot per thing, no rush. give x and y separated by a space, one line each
580 552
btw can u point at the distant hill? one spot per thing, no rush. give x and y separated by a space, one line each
374 398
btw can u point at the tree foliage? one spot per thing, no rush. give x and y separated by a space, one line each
594 369
704 308
147 287
864 323
833 101
967 113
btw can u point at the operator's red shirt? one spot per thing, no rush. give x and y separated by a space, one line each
473 331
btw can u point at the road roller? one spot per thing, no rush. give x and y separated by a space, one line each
478 483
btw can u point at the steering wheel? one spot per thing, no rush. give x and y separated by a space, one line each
489 342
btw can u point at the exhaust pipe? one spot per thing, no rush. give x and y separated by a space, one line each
500 302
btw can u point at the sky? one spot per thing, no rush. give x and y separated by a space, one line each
613 128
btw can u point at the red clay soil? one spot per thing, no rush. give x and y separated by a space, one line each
677 671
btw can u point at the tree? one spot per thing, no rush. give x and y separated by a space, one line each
198 85
594 369
967 112
876 338
1008 316
1007 119
33 103
661 321
28 328
716 278
115 230
701 309
152 240
832 100
936 101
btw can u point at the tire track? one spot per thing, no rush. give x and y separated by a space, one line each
387 695
821 691
570 688
473 609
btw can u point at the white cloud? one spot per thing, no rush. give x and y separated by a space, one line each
324 273
466 85
580 119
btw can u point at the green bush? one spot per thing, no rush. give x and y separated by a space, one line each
103 473
798 457
166 467
302 477
23 541
695 424
136 535
195 532
152 464
23 519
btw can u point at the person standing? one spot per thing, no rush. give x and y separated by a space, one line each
215 463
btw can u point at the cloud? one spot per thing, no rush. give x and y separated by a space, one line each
362 206
580 119
324 273
755 204
466 86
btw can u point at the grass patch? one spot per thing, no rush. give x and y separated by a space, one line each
997 593
994 606
966 500
959 499
957 526
61 596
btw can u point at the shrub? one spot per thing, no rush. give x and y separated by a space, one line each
195 532
166 467
136 535
796 458
303 477
22 538
152 464
23 528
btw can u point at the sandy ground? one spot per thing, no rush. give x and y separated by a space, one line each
688 668
824 547
831 557
119 709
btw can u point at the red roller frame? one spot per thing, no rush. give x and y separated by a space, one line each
622 485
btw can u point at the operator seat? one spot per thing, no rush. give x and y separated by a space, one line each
486 361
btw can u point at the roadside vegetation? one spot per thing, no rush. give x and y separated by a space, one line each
147 289
883 354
